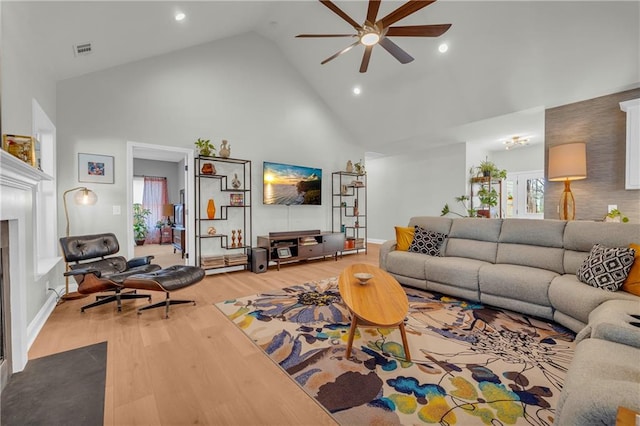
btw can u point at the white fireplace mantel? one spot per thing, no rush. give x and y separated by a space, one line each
18 174
17 177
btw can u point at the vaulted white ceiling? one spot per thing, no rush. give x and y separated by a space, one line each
507 60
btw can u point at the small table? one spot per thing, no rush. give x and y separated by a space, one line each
381 302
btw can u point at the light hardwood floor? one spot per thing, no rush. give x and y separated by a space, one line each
195 367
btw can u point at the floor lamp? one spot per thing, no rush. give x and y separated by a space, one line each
567 162
84 197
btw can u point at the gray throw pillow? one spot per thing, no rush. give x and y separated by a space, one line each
606 267
427 242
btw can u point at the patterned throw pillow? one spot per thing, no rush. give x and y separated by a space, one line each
605 267
427 242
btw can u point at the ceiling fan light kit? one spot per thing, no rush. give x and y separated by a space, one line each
377 32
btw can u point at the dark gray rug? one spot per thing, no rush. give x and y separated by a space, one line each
60 389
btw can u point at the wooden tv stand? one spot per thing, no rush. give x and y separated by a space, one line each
293 246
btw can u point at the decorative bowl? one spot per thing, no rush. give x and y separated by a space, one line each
363 277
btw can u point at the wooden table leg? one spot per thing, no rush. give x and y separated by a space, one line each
352 332
404 342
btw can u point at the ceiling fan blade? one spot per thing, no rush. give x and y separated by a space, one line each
340 13
372 12
345 50
365 59
418 31
324 35
403 11
395 50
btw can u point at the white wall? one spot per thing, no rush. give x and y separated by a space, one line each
523 159
23 79
419 184
255 100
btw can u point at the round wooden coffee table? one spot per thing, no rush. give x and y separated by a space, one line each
381 302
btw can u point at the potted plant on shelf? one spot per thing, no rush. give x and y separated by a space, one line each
140 230
206 147
489 169
616 215
488 198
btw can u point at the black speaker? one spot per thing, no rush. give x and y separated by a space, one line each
258 260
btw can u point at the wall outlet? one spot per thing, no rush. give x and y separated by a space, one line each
116 210
612 207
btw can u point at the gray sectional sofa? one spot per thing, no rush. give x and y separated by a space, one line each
529 266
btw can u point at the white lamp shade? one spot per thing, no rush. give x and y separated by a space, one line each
567 162
85 197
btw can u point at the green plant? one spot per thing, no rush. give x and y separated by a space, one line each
488 197
616 215
206 147
140 215
488 168
462 200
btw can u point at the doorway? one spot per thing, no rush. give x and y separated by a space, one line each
182 158
524 195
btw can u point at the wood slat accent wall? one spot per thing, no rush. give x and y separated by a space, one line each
602 125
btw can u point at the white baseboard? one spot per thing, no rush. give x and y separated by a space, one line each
34 327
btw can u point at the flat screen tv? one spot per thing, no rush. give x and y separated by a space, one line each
178 215
291 185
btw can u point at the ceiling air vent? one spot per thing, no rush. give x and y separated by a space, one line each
82 49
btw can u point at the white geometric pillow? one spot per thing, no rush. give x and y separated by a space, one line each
427 242
606 267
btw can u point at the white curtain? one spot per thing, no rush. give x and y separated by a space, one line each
154 196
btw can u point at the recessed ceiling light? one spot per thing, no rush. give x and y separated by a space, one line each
443 47
180 16
357 90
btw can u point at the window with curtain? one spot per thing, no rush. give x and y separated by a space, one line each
154 196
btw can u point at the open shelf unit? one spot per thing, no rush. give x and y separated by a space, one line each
349 209
486 184
227 247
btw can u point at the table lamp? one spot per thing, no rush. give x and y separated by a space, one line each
84 197
167 211
567 162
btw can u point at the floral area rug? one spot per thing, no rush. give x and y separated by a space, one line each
471 364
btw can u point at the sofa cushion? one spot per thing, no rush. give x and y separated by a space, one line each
474 238
434 223
454 271
597 383
549 258
427 242
632 283
573 298
517 282
580 235
606 267
546 233
406 263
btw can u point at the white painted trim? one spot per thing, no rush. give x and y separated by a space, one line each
632 170
375 241
40 319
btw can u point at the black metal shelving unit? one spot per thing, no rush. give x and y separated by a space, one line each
221 251
349 209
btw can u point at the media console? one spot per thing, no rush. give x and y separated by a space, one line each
293 246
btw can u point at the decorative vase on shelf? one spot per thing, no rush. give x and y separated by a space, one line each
225 149
233 238
239 237
211 209
235 182
349 167
208 169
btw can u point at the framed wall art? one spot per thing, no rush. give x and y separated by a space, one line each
22 147
95 168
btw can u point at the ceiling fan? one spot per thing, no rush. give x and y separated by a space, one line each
374 32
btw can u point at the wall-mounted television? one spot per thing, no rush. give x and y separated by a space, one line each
178 215
291 185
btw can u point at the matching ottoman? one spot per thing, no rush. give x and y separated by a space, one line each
168 280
